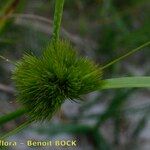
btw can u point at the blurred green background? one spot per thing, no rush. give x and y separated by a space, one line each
101 30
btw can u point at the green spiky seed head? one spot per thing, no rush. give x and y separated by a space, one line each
44 83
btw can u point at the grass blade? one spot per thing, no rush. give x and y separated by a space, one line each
126 55
11 116
127 82
16 130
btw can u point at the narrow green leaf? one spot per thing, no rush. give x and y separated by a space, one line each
16 130
12 115
126 55
54 129
127 82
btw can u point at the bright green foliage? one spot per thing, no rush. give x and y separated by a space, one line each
43 83
57 18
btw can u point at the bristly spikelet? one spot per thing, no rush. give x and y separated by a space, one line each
43 83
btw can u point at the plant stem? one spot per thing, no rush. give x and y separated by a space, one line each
126 55
16 130
11 116
57 19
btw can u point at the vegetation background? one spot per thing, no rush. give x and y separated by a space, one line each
101 30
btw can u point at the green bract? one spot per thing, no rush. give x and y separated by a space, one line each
43 83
